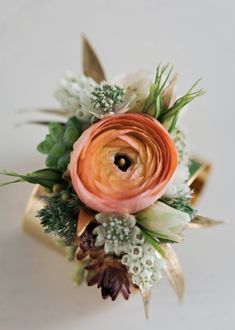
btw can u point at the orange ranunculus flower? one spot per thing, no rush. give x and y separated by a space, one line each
123 163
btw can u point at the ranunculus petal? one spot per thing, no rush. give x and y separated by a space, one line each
146 146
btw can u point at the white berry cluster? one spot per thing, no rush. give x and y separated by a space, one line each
143 264
105 99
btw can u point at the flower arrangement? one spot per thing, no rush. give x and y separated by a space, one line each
116 186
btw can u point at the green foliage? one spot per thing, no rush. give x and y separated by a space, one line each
64 160
59 217
71 134
152 239
56 131
181 204
46 177
170 116
194 166
154 103
45 146
59 142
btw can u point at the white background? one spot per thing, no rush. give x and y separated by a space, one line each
39 41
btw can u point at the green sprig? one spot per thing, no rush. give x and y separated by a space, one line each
153 105
169 117
181 204
45 177
59 218
152 240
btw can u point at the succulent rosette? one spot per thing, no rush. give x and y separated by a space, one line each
116 189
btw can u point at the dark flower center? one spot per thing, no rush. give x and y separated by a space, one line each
123 162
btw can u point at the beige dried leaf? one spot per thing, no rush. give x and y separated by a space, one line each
91 64
204 222
146 296
173 270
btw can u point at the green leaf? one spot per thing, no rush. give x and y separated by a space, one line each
71 135
169 117
58 150
64 161
158 236
158 107
56 131
9 182
45 146
49 173
45 177
51 162
151 240
74 122
181 204
193 167
154 105
149 106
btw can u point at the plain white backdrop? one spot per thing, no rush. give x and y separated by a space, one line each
39 41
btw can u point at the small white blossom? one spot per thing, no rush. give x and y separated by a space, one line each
126 259
74 95
179 187
137 86
115 231
148 261
137 236
146 275
135 252
180 141
135 267
143 264
119 235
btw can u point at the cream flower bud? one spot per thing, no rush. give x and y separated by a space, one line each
164 220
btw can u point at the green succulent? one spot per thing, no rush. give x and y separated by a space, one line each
58 143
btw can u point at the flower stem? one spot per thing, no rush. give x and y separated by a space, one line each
153 242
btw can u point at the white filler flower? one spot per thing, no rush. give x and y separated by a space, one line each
115 232
137 86
74 95
179 187
143 264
